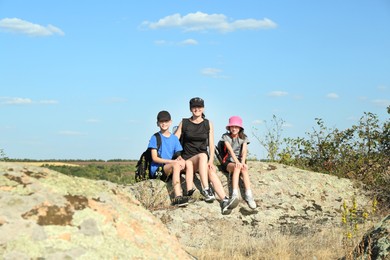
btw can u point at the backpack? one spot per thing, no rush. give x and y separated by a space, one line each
221 152
142 171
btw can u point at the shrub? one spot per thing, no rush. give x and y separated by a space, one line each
360 152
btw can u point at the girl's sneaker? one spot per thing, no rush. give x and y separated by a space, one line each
227 205
251 202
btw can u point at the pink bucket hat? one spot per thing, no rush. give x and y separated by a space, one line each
234 121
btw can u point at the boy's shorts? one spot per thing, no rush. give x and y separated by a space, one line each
160 174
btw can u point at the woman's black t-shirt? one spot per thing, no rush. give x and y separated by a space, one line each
194 138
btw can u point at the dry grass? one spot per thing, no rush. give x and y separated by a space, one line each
327 244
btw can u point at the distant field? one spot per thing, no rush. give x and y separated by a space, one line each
79 163
50 163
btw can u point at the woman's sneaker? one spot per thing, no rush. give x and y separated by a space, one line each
251 202
180 201
191 192
208 195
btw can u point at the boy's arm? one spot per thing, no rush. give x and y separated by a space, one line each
159 160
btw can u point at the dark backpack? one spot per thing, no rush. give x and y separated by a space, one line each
142 171
221 152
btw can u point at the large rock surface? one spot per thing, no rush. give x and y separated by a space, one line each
45 214
48 215
289 200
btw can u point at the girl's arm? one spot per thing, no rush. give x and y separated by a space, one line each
244 152
230 150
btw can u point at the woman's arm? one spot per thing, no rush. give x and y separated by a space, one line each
178 130
211 143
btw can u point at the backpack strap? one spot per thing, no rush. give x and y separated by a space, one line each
158 138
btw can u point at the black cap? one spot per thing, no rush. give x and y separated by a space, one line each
163 116
196 102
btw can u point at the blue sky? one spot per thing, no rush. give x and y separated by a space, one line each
86 79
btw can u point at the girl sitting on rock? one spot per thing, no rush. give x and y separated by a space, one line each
234 163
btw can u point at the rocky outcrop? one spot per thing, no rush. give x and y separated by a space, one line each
375 244
289 200
48 215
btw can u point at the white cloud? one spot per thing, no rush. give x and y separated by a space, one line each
381 102
17 25
258 122
49 102
211 72
203 22
189 42
278 93
70 133
116 100
15 101
332 96
24 101
184 42
160 42
93 121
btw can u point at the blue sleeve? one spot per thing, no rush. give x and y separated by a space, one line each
153 142
178 147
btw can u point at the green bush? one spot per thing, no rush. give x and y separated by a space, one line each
2 155
361 152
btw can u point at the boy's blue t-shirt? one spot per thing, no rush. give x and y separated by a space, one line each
169 146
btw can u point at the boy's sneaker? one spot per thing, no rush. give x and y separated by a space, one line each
208 195
251 202
180 201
